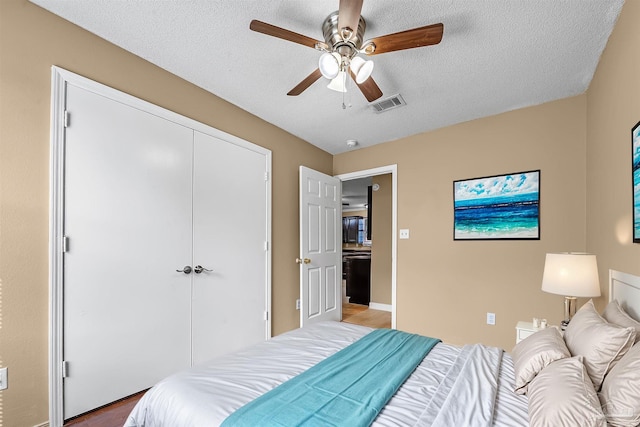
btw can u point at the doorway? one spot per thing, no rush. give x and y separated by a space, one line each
369 252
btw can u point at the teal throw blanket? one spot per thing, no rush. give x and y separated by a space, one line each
346 389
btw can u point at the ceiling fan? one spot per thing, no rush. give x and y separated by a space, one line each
343 32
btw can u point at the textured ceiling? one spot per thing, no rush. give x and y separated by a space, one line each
495 56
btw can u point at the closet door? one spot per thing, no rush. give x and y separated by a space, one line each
128 219
229 235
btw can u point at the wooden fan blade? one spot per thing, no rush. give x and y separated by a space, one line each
418 37
303 85
281 33
349 15
369 88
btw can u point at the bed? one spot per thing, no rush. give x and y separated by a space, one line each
470 385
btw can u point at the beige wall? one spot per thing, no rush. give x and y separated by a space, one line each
445 287
381 240
31 41
613 108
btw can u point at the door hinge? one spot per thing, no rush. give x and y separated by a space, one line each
65 369
266 246
67 118
266 176
65 244
266 315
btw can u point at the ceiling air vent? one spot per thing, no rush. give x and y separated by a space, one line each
388 103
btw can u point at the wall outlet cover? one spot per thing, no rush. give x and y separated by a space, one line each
4 379
491 318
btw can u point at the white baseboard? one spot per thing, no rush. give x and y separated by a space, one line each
382 307
46 424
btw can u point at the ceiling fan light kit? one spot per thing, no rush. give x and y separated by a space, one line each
361 68
339 83
343 32
329 65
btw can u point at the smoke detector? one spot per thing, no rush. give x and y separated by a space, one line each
351 143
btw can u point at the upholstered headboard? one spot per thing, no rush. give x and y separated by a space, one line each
625 288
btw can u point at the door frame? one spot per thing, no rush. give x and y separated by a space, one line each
59 80
393 170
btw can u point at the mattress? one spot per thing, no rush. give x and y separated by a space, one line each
469 385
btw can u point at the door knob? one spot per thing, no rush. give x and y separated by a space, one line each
300 261
186 270
199 269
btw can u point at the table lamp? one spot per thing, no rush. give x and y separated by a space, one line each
572 275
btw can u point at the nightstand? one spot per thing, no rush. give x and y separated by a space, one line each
524 329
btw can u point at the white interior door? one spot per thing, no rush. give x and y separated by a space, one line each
230 302
320 247
128 219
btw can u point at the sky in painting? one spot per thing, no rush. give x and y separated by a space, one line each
497 186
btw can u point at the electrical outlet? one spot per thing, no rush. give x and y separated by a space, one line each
404 233
298 304
4 379
491 318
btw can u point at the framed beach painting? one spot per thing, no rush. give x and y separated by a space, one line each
497 207
635 156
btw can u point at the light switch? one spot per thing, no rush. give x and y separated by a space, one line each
404 233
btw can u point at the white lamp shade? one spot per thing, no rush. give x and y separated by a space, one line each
571 274
361 68
338 83
329 64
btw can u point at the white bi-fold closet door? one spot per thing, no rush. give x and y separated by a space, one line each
144 197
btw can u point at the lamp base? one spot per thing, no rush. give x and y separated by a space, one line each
569 310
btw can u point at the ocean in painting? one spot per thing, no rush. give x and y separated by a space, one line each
498 217
636 184
498 207
636 198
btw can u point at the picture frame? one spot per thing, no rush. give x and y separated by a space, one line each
497 207
635 176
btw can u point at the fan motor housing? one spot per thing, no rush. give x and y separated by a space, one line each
333 36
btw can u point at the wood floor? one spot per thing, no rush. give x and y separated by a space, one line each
115 415
365 316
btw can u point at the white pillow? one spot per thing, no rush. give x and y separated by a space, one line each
601 344
535 352
620 394
613 313
562 395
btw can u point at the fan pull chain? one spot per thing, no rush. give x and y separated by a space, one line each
347 91
344 84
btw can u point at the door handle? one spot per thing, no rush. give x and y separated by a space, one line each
199 269
186 270
300 261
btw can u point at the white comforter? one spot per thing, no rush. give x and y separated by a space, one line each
453 386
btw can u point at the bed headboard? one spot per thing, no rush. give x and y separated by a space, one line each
625 288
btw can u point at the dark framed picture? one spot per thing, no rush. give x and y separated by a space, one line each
635 156
497 207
